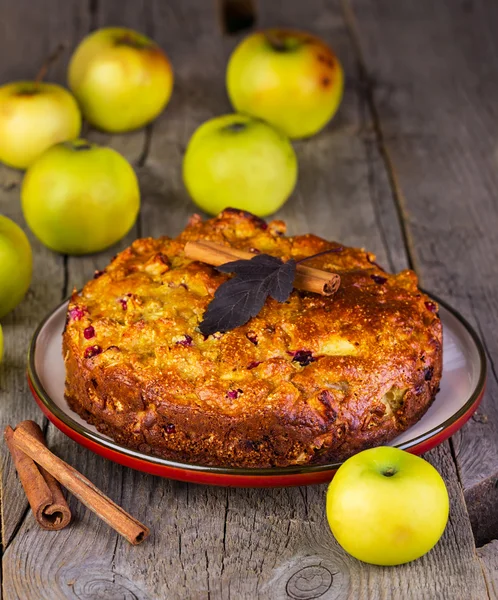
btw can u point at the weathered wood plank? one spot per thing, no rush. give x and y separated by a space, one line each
47 291
28 34
488 555
432 67
87 537
190 34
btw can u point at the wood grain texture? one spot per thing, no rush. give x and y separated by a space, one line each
488 556
21 53
432 68
190 33
228 543
343 191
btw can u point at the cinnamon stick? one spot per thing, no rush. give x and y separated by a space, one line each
307 278
43 492
112 514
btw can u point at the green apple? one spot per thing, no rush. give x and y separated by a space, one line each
235 160
16 265
33 117
121 78
291 79
79 198
386 506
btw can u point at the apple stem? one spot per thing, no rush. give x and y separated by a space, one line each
85 146
236 127
275 42
389 472
48 62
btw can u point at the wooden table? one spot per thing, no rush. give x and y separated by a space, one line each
408 169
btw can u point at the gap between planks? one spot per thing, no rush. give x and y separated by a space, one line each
369 86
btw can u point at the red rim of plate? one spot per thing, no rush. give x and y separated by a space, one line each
237 476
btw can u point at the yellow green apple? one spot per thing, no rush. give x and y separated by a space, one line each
79 198
241 162
289 78
121 78
386 506
33 117
16 265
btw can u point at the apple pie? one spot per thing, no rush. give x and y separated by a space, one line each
308 381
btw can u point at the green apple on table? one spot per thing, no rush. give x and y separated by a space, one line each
121 78
386 506
80 198
235 160
34 116
16 265
289 78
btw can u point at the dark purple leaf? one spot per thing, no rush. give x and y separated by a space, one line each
267 271
242 297
234 303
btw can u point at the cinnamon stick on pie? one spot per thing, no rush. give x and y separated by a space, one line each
307 278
